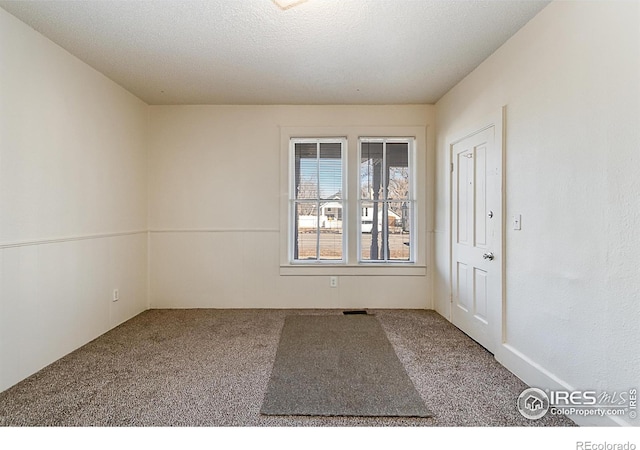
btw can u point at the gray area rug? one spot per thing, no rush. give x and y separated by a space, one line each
339 366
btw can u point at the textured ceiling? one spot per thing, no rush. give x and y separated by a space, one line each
253 52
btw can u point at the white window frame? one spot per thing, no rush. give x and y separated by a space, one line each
293 201
351 214
411 197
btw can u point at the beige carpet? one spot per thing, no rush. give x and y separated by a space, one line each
211 368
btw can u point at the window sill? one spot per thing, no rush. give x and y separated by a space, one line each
384 269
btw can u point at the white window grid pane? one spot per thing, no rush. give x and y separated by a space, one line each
366 201
314 195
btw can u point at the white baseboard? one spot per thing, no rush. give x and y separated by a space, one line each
534 375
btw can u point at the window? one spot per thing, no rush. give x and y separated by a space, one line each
374 224
316 200
386 199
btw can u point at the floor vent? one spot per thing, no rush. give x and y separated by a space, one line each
356 311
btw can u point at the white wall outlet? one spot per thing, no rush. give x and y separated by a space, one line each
517 222
116 295
333 282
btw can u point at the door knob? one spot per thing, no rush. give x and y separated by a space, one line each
488 255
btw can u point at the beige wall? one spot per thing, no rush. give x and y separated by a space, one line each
72 202
215 213
571 82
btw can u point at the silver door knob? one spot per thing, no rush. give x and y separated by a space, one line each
488 256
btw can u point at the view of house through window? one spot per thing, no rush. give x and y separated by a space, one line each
386 200
383 212
318 200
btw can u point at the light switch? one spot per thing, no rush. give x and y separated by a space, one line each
517 222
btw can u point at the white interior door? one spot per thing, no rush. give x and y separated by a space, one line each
476 246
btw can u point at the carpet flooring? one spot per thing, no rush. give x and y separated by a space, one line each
334 365
211 368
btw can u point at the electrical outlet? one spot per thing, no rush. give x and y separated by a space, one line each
116 295
333 282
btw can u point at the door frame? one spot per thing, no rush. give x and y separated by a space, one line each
497 325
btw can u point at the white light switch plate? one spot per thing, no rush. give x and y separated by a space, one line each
517 222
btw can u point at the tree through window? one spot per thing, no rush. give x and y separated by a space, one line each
386 199
383 209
